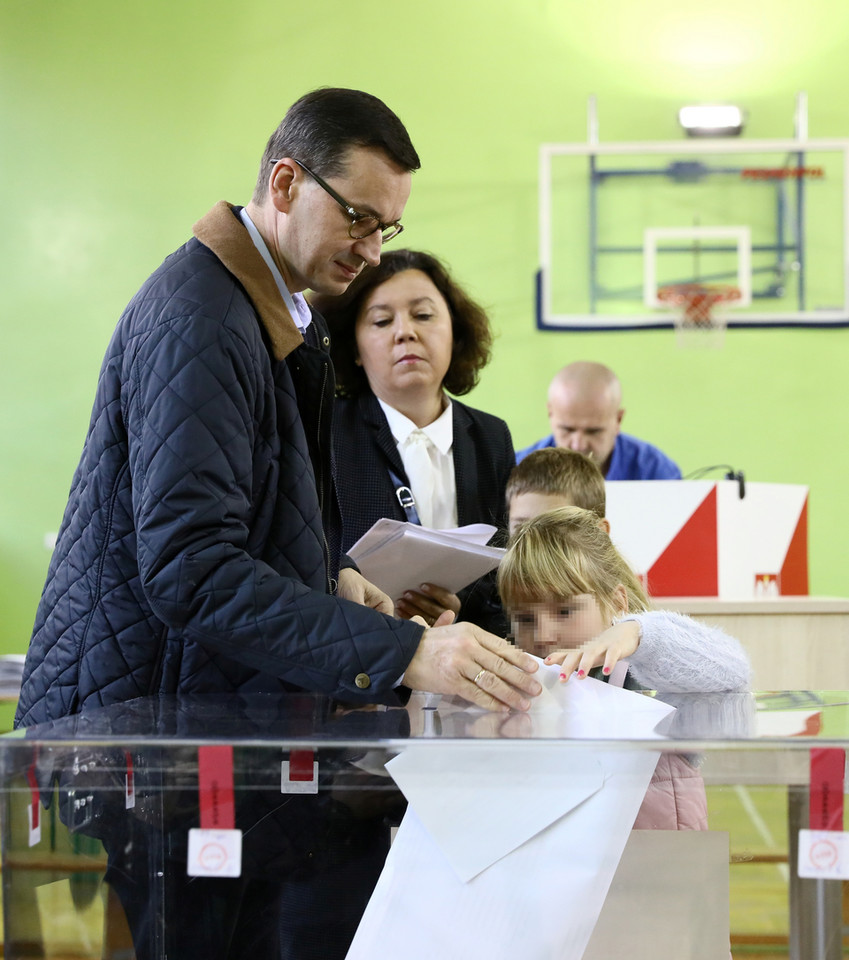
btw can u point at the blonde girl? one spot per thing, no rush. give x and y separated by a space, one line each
573 600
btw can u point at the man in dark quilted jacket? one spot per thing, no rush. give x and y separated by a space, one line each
199 550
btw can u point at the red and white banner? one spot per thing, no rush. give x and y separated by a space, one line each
696 538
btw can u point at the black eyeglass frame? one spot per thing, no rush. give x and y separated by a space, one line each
356 217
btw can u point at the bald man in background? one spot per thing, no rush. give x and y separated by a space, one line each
585 412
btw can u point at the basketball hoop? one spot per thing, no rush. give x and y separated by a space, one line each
701 311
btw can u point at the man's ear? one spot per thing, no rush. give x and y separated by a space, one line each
282 184
604 523
619 417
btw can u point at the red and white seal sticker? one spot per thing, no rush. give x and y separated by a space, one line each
823 855
129 782
33 809
215 850
299 774
828 766
34 824
215 787
215 853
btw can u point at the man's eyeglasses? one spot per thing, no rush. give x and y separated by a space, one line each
362 224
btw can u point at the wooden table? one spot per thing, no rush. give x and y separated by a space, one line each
795 643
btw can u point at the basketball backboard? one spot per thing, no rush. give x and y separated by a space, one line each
618 222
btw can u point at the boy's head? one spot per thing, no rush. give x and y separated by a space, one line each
555 477
562 581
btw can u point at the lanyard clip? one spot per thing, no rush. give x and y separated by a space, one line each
405 497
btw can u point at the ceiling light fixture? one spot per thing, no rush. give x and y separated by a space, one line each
711 120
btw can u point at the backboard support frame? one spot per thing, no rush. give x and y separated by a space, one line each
655 316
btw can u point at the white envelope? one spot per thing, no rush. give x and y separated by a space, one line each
525 791
509 847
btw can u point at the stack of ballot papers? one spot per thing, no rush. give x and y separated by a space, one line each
508 847
398 556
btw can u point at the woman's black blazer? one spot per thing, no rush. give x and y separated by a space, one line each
365 452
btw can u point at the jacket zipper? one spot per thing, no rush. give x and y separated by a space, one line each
320 483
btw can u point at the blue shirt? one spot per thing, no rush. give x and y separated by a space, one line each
632 459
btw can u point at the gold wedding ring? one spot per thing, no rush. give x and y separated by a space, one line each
480 673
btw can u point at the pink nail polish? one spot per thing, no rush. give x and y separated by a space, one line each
606 671
562 676
581 673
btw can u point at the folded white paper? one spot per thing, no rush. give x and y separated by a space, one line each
508 848
398 556
525 791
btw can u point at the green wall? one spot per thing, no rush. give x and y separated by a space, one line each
121 124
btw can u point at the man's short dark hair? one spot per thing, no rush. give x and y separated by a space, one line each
323 125
469 322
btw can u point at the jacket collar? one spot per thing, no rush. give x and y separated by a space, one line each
227 238
373 416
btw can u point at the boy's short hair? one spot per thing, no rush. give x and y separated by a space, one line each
560 472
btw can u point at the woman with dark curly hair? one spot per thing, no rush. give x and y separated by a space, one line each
403 336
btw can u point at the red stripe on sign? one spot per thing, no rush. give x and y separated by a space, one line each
688 567
300 765
826 796
215 788
33 786
794 571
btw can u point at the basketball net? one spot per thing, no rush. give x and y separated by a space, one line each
701 312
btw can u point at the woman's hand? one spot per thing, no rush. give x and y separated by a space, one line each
428 602
606 650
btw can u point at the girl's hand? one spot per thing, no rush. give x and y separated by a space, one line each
606 650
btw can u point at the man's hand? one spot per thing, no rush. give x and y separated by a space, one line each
606 650
463 660
354 586
428 602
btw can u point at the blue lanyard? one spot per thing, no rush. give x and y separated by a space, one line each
405 498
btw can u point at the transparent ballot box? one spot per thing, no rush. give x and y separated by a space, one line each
642 825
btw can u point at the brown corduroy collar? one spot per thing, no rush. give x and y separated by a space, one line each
225 235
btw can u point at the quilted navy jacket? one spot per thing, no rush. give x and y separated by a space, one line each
193 556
